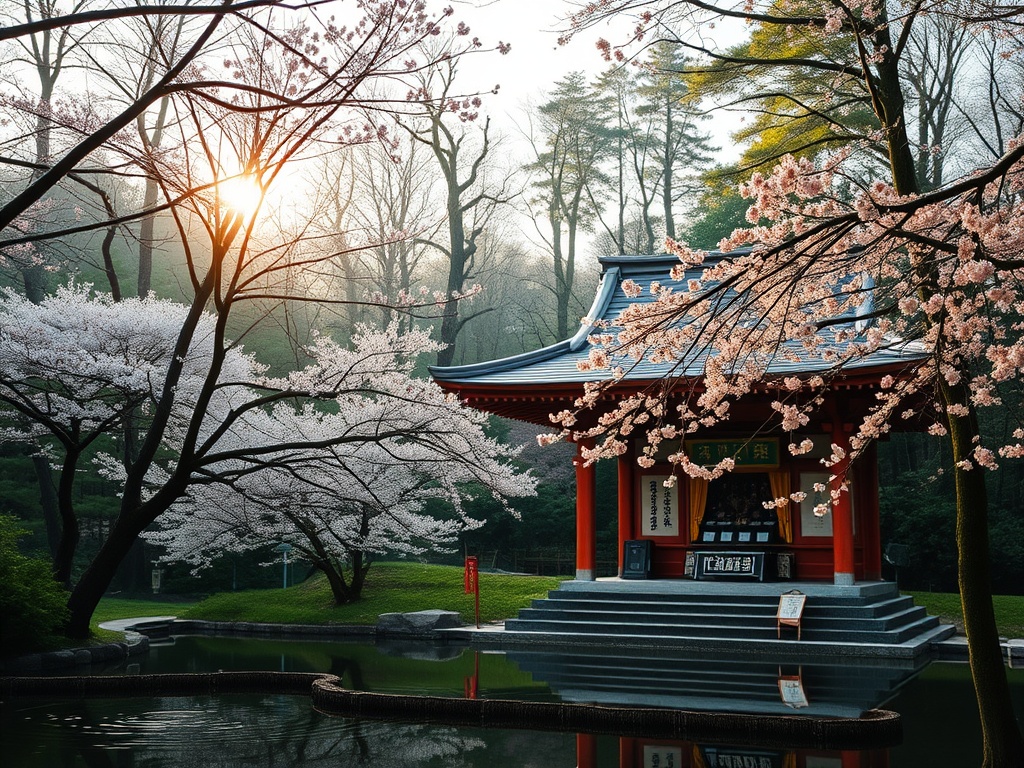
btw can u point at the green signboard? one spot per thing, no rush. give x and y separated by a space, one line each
756 452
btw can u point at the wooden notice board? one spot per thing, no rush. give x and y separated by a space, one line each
791 611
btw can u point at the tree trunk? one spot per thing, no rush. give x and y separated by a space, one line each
341 591
48 503
70 533
146 230
1002 744
450 324
666 171
97 577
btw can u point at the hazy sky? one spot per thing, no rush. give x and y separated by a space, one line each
536 61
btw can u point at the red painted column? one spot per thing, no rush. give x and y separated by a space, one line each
586 750
627 752
842 514
871 526
586 512
625 489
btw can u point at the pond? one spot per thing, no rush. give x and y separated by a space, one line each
939 719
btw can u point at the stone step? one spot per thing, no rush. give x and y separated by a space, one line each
810 621
764 689
750 607
697 676
879 592
719 630
669 662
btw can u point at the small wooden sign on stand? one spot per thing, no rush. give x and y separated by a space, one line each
791 611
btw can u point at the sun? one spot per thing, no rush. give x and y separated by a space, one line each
241 194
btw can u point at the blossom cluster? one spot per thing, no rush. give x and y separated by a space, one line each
934 281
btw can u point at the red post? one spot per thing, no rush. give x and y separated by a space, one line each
625 493
471 579
586 529
842 514
586 750
870 527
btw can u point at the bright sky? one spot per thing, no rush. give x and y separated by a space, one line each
537 61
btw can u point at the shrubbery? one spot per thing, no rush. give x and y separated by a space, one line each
33 606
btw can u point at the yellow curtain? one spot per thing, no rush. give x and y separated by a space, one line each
780 490
698 490
789 761
698 758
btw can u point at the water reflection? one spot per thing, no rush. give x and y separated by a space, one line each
266 731
820 686
940 722
641 753
275 731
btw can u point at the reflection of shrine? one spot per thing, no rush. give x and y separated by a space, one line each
669 679
647 753
721 529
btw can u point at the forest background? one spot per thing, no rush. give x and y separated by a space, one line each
430 202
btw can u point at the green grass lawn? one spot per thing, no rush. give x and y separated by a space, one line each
1009 610
405 587
389 588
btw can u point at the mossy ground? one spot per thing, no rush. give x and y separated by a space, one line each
389 588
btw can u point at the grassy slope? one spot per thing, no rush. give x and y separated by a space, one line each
1009 610
390 588
403 587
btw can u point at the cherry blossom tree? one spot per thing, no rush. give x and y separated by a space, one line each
835 237
76 368
276 90
398 446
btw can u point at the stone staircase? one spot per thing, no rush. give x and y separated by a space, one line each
864 619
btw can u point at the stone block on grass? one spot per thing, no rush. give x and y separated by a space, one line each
425 623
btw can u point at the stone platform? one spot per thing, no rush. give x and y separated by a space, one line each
868 619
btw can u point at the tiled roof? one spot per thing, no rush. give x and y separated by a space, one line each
557 364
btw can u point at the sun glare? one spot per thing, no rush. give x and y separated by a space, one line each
241 194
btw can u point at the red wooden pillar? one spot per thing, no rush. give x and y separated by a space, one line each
870 530
586 512
625 481
586 750
627 752
842 514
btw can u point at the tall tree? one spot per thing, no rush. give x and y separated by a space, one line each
462 155
680 150
570 144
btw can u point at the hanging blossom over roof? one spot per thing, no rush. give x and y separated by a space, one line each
830 281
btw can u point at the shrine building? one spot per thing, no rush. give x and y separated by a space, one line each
698 529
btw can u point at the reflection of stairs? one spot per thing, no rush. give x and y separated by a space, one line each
719 682
871 617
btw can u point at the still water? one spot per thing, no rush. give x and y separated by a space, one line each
939 719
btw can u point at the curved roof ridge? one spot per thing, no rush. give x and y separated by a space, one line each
605 292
